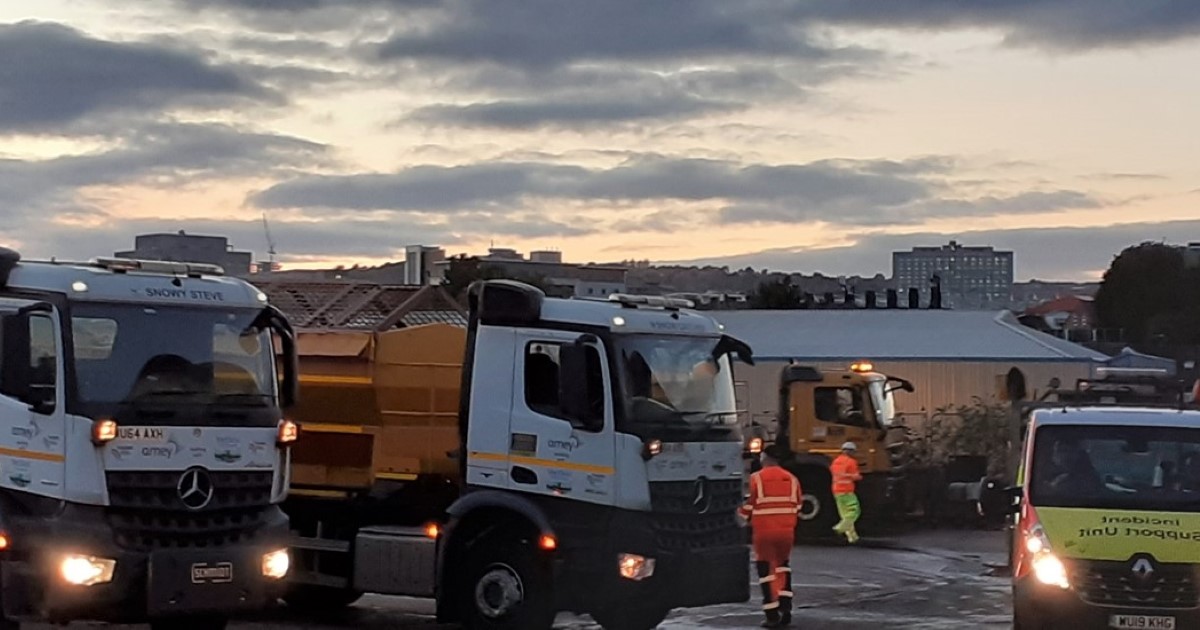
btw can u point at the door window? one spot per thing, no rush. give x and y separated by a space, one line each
840 405
542 380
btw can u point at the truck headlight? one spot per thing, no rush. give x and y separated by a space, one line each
275 565
1050 570
635 567
86 570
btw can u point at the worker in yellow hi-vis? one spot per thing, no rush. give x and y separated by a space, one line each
845 473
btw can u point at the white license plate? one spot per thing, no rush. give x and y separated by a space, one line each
219 573
1141 622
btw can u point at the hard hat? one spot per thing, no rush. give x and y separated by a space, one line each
849 446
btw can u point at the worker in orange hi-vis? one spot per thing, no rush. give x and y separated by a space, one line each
845 472
772 510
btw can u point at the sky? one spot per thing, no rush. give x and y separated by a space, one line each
794 135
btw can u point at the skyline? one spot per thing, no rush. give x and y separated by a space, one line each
792 135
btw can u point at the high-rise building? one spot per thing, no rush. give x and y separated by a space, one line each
422 265
971 277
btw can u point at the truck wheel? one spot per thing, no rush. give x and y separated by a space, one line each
508 589
319 599
626 619
203 623
818 512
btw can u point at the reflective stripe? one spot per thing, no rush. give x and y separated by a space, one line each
770 511
771 606
758 488
783 570
776 500
786 594
766 580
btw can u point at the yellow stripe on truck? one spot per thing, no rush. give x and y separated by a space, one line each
37 455
544 463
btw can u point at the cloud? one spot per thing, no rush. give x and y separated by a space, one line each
547 33
159 154
646 178
573 113
54 76
1039 252
1050 24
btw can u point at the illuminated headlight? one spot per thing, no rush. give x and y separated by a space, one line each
87 570
635 567
275 565
1050 570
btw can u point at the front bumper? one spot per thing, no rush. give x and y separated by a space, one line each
684 577
1049 606
144 585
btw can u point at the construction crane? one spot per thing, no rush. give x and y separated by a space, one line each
270 243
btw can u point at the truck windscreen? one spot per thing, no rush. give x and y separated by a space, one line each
1117 467
675 389
129 354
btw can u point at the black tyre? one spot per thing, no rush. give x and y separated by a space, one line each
203 623
630 619
818 512
509 587
319 599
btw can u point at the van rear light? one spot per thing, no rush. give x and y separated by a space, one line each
104 431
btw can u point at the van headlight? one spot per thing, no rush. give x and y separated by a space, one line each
1050 570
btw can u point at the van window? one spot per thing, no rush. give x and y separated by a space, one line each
1116 467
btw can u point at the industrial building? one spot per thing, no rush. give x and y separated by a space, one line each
184 247
951 357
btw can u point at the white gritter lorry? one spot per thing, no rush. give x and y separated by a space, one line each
143 450
560 455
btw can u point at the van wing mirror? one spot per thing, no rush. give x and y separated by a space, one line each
574 386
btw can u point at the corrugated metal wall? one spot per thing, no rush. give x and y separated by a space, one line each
937 384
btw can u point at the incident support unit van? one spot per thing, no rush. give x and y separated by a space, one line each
143 451
1107 529
565 454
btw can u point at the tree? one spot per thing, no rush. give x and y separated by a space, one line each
1150 293
776 294
462 270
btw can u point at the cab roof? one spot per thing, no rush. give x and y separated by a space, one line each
1117 416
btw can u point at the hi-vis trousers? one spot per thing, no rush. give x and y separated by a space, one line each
772 555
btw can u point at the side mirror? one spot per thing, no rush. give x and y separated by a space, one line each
574 387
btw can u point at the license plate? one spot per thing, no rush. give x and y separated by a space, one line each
1141 622
219 573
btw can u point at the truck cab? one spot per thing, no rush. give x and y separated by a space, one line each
143 450
821 409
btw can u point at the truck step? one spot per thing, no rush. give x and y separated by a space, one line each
319 544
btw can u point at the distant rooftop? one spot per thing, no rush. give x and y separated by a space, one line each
897 335
360 305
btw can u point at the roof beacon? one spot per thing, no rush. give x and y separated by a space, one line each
122 265
633 301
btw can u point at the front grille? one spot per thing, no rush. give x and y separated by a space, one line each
1117 584
685 519
146 511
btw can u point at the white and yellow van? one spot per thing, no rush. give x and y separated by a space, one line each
1107 533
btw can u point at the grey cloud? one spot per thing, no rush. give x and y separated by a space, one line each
498 185
54 76
1056 24
573 113
1062 253
159 154
547 33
